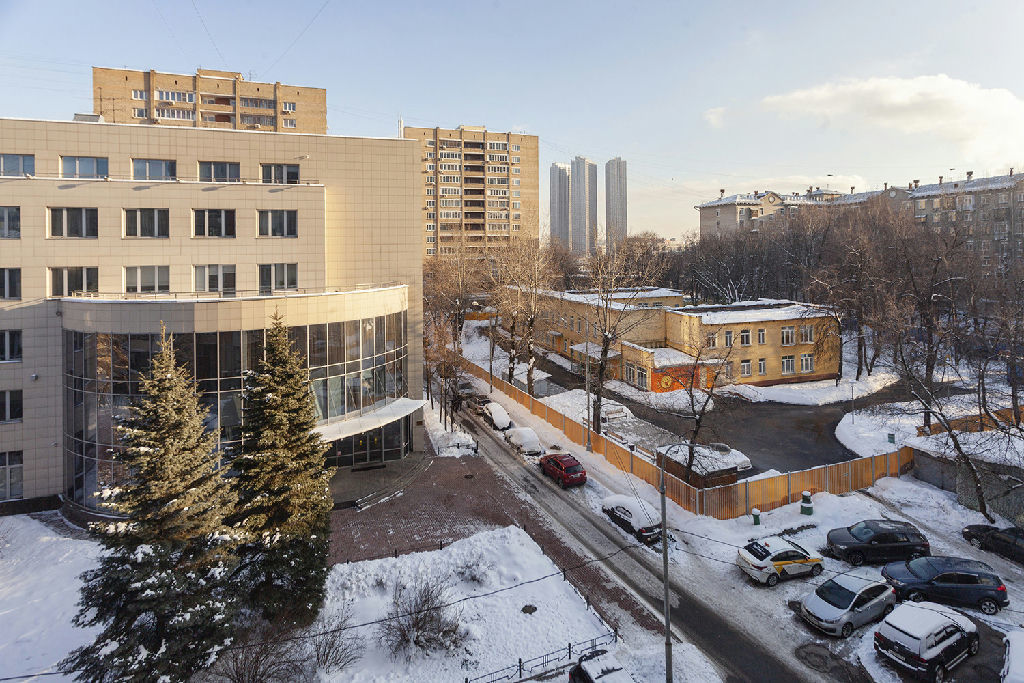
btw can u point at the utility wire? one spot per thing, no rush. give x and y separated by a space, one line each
210 35
292 44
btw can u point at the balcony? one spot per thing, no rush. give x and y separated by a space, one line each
472 157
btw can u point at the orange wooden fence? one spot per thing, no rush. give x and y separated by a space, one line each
721 502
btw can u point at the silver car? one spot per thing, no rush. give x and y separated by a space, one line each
847 602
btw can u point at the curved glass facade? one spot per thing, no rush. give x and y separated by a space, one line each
355 367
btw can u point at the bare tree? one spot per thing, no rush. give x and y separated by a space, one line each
420 618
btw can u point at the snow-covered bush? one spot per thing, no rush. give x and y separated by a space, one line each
264 653
333 644
420 619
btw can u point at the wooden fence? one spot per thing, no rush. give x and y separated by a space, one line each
721 502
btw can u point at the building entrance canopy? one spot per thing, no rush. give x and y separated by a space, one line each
393 411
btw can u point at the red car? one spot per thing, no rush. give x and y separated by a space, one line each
564 469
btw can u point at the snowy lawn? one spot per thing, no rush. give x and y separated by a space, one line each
815 393
500 631
39 584
626 427
670 401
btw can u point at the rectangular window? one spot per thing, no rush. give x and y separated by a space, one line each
279 223
450 191
175 96
278 276
449 179
258 103
10 283
218 171
10 406
807 334
449 167
74 222
147 279
288 123
788 335
431 252
140 113
745 368
727 370
431 238
711 340
178 114
147 223
215 278
497 181
806 362
760 336
516 181
10 345
67 281
154 169
744 337
10 222
11 476
288 106
17 164
641 377
497 145
214 222
84 167
788 365
140 95
431 227
256 120
728 338
281 174
450 155
762 366
513 148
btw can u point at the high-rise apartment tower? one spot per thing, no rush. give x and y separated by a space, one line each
584 206
614 203
561 207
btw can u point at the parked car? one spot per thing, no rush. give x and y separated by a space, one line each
599 666
1013 662
564 469
847 602
497 416
524 440
476 403
772 558
1006 542
877 540
948 579
635 516
927 639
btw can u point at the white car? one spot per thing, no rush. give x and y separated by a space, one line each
599 666
1013 664
635 516
846 602
497 416
770 559
927 638
525 440
455 444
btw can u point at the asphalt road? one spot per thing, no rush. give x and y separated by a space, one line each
739 655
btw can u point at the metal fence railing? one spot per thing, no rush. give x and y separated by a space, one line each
547 661
730 500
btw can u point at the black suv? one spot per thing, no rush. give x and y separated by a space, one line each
1006 542
948 579
877 540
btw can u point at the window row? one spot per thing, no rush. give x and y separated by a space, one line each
82 222
10 405
787 336
788 365
150 169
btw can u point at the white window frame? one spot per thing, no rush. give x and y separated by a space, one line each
806 362
787 335
789 365
745 368
272 220
7 346
134 277
762 366
204 275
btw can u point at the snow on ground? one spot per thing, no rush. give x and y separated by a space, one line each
476 348
622 424
500 632
39 585
446 443
669 401
573 404
815 393
990 446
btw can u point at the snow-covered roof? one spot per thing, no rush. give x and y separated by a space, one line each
742 199
858 198
752 311
999 182
664 356
593 350
706 460
990 446
619 299
920 619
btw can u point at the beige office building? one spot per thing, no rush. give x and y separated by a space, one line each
108 231
479 189
207 99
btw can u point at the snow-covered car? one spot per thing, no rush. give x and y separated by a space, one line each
599 666
497 416
524 440
773 558
847 602
635 516
563 468
1013 662
927 638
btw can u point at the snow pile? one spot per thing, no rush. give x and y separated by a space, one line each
573 404
446 444
500 631
816 393
476 348
668 401
39 587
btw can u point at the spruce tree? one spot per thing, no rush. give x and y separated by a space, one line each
284 498
159 592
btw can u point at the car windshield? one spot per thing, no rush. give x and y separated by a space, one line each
835 595
921 568
861 532
573 469
757 550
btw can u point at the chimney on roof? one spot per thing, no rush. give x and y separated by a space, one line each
852 188
940 180
885 186
1011 172
970 174
817 189
917 183
721 193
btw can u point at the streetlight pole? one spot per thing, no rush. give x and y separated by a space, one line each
586 346
664 568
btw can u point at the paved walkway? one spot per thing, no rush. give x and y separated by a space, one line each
455 498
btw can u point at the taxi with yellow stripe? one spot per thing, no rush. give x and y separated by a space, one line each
769 559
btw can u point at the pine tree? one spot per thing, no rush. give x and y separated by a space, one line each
283 487
159 592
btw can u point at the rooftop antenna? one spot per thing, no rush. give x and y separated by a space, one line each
401 127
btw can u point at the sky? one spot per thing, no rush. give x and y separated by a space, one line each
696 97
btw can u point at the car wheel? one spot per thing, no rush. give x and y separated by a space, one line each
975 541
887 611
856 558
816 570
940 674
914 555
988 606
847 630
915 596
972 649
562 484
772 580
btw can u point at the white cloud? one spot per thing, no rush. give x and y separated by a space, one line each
715 117
985 123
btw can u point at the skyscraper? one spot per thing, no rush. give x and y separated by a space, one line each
614 203
583 217
561 182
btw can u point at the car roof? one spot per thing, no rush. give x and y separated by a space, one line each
942 563
522 431
564 458
857 581
602 667
919 619
639 508
889 525
776 543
